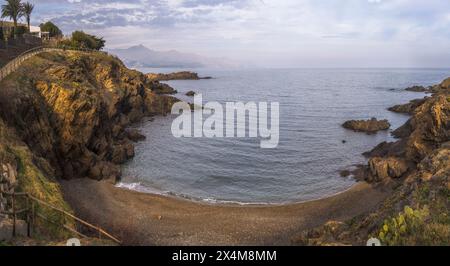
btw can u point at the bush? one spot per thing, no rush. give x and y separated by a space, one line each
83 40
20 30
415 227
51 28
2 37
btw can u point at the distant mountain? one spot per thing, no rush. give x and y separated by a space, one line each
141 56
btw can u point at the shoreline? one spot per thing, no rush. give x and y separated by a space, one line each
150 219
217 202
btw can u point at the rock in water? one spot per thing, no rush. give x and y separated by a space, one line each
368 126
191 93
417 89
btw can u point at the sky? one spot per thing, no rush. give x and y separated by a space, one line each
269 33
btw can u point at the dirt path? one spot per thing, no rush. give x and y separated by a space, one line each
145 219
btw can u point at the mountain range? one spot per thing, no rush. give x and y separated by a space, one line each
141 56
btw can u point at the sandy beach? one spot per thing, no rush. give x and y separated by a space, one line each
147 219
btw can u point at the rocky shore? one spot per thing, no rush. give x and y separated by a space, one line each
184 75
418 166
65 116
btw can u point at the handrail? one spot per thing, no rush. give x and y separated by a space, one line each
14 64
39 201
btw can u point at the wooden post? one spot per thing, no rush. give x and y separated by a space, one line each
28 217
13 203
33 214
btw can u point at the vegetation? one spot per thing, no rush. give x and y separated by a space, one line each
83 40
34 177
15 9
426 224
51 28
27 10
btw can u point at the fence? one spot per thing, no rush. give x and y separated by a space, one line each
14 64
31 213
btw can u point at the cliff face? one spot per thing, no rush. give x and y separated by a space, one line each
417 169
72 109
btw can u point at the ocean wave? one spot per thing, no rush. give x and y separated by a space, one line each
138 187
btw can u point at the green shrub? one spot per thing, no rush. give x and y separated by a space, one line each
415 227
20 30
51 28
83 40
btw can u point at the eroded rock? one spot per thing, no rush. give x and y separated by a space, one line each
408 108
368 126
386 168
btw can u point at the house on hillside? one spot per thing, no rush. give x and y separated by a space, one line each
8 27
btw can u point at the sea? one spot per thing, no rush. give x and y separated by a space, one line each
313 147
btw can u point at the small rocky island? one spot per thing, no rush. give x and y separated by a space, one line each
184 75
369 126
191 93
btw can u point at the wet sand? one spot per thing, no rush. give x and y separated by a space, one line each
147 219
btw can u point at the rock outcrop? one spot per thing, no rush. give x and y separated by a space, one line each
385 168
426 131
408 108
191 93
417 170
368 126
184 75
418 89
73 108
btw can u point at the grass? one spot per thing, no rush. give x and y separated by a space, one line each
34 176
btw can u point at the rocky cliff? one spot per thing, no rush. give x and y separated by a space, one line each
73 109
65 115
417 170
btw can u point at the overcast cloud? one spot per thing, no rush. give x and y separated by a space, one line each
272 33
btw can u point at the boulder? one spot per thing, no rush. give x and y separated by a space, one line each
191 93
122 153
104 170
445 84
135 135
6 229
386 168
8 174
368 126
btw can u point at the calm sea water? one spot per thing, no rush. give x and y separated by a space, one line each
306 165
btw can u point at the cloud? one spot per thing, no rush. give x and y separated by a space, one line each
265 31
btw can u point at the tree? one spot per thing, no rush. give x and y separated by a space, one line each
27 10
51 28
12 9
84 40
